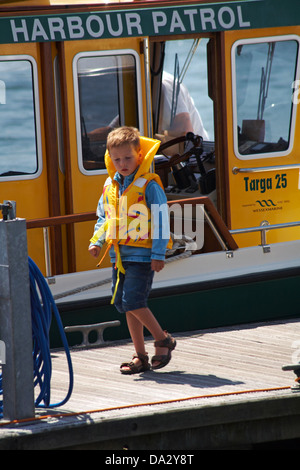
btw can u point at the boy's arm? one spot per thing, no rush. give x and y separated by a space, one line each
95 248
157 202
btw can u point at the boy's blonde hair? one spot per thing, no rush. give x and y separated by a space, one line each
122 136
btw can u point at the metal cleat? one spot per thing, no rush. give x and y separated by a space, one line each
296 386
296 369
8 209
87 329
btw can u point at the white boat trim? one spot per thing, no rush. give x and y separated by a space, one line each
199 268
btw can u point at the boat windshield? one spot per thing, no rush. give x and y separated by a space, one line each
264 73
184 90
107 98
19 136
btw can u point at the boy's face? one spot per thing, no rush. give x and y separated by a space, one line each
125 159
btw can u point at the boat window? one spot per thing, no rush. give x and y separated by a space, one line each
263 76
184 104
20 136
107 97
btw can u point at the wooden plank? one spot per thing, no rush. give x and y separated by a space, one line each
204 364
224 389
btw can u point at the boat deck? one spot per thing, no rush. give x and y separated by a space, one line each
224 388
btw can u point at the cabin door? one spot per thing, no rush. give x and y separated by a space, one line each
23 165
101 84
263 161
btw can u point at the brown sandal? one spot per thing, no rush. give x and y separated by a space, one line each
170 343
134 368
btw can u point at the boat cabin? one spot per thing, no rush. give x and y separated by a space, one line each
217 82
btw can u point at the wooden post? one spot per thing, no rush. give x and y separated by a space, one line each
15 321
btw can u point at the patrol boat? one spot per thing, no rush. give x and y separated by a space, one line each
217 82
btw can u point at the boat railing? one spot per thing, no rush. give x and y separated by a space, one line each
223 235
260 169
48 222
263 228
216 224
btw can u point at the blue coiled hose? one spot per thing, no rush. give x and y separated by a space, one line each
42 309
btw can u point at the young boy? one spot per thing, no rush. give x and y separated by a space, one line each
125 221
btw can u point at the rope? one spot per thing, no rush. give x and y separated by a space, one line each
140 405
92 285
42 309
77 290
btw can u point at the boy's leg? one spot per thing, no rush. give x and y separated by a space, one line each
136 288
137 319
136 330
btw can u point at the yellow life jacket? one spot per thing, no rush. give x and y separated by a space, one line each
123 215
129 218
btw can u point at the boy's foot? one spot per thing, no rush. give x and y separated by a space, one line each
139 363
163 351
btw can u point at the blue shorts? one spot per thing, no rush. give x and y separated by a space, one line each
134 286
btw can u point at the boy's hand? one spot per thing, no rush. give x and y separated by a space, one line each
95 251
157 265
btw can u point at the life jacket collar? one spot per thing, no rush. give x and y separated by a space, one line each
149 149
